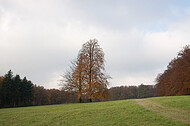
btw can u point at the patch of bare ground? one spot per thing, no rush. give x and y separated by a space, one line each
170 112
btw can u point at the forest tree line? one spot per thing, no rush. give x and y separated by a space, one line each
175 80
132 92
15 92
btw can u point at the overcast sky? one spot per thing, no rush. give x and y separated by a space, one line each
39 38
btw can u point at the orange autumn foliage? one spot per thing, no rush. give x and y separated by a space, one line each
176 79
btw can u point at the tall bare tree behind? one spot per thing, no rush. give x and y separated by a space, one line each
87 74
72 79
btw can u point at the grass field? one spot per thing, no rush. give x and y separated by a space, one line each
162 111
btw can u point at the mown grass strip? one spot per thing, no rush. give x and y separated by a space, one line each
171 112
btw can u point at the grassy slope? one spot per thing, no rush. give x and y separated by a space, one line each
182 102
124 112
176 107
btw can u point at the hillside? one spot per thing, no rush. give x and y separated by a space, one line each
167 111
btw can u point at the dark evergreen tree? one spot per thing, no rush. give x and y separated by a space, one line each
16 86
26 92
6 90
1 80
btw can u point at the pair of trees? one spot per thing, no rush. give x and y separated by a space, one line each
15 91
87 75
176 78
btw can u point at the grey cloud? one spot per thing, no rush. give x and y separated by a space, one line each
38 39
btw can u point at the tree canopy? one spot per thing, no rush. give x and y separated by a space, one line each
176 78
87 74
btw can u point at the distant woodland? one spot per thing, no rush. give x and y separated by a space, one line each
16 92
87 81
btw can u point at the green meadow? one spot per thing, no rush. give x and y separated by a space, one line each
157 111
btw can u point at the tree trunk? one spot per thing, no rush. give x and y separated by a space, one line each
80 100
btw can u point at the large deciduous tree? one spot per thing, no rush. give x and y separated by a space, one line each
87 75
